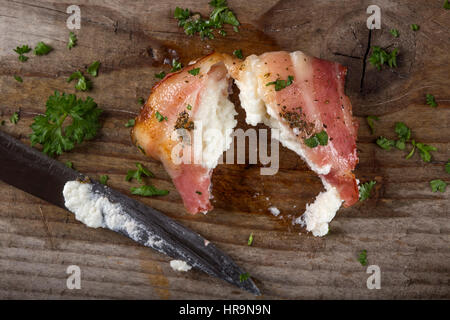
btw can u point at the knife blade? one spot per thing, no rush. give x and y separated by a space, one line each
30 170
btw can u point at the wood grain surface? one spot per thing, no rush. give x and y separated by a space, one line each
404 227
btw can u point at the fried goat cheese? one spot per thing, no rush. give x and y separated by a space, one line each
304 98
186 124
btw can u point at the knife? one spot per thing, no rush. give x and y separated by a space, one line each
31 171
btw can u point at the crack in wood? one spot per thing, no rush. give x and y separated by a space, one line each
363 73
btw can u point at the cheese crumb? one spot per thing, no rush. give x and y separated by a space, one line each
180 265
274 210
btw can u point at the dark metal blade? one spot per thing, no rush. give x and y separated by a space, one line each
32 171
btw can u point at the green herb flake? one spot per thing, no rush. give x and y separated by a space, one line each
447 167
72 40
21 51
139 173
395 33
48 129
18 79
243 277
431 101
238 54
438 185
189 107
93 68
160 75
365 190
69 164
14 118
141 101
385 143
160 117
130 123
194 72
320 138
379 57
362 258
446 5
415 27
83 84
176 66
424 150
42 49
104 179
370 122
250 239
148 191
198 192
281 84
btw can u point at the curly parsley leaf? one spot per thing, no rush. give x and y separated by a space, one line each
139 173
194 72
18 78
148 191
403 133
104 179
21 51
281 84
14 118
365 190
424 151
385 143
431 101
438 185
362 258
49 129
83 83
42 49
371 123
238 53
395 33
160 75
72 40
130 123
379 57
93 68
320 138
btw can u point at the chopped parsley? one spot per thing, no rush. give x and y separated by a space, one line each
431 101
148 191
447 167
160 117
243 277
104 179
395 33
238 54
404 134
438 185
72 40
141 101
193 23
18 79
365 190
93 68
379 57
424 150
83 84
139 173
189 107
69 164
371 123
48 129
250 239
385 143
160 75
176 65
362 258
446 5
14 118
281 84
194 72
130 123
42 49
320 138
415 27
198 192
21 51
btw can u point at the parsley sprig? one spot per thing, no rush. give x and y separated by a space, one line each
42 49
139 173
362 257
53 130
365 190
83 83
21 51
144 190
72 40
93 68
438 185
379 57
431 101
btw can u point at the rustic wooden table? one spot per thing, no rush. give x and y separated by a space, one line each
404 227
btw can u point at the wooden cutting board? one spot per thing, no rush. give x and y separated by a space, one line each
404 227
